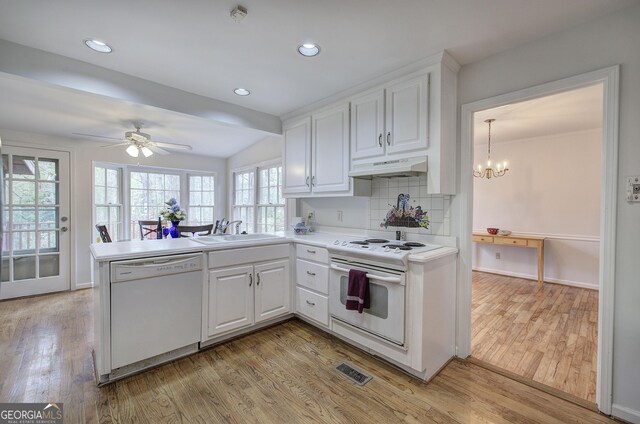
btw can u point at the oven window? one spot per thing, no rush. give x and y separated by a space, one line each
379 305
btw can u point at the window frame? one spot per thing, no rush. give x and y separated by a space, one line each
125 191
94 215
255 168
259 205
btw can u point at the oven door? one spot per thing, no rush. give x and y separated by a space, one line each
385 316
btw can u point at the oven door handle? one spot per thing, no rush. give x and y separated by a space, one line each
370 276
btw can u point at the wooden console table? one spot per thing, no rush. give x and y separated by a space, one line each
535 242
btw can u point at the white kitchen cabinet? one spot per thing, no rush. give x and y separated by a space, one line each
231 300
330 150
390 120
316 155
272 290
297 157
406 115
312 283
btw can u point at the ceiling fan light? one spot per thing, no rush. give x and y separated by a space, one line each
132 151
146 151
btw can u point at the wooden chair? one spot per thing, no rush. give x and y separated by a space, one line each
104 234
191 230
148 228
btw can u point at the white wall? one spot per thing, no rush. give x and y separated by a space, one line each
269 148
596 45
552 188
83 153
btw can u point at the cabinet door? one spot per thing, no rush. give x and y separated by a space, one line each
407 115
297 157
331 150
230 299
367 125
273 291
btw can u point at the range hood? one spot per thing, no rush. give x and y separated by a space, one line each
410 167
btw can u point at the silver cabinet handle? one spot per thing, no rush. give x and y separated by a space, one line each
311 303
313 274
389 138
258 277
64 229
380 140
313 180
250 279
311 251
307 181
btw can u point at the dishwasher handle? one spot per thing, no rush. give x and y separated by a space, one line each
156 267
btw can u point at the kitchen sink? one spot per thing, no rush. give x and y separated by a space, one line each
215 239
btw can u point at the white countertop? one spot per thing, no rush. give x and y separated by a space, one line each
148 248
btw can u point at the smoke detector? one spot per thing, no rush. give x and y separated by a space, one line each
238 13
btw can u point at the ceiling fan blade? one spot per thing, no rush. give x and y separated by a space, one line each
97 136
158 150
172 146
126 143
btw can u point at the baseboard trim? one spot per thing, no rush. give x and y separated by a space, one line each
625 413
535 278
84 285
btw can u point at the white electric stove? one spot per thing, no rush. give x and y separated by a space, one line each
377 251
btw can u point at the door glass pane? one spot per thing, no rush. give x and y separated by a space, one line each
24 192
48 169
24 242
47 193
6 242
49 265
24 268
24 218
48 241
47 218
24 167
5 269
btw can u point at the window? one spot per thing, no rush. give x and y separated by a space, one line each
266 211
270 201
201 199
107 200
149 192
244 199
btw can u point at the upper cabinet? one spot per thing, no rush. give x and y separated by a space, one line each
316 155
390 120
406 116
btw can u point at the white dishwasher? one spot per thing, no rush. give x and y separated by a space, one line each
155 306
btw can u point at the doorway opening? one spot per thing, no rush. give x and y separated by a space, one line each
535 282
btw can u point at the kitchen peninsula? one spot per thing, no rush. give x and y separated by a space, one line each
158 300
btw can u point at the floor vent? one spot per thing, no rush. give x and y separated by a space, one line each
353 374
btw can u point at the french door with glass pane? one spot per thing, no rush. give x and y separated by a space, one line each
35 248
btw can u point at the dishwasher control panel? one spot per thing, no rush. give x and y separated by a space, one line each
154 267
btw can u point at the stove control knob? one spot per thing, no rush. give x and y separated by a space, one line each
397 251
344 243
336 242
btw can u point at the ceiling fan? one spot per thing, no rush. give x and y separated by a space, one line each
137 142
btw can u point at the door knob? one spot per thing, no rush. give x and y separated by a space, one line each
64 219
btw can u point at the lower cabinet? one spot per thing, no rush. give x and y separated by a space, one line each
244 295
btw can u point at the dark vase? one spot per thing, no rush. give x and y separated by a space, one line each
173 231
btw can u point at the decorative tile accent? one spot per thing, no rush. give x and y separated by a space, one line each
385 194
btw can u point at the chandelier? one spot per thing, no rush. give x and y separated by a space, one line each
488 171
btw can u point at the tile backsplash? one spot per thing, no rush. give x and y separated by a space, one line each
384 196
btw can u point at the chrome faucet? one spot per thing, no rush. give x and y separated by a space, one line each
222 229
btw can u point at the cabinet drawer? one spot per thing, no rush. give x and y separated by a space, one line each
312 253
313 276
247 255
511 241
483 239
312 305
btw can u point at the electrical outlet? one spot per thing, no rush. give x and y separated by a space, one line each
339 217
633 189
497 255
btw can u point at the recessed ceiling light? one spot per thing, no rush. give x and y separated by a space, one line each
242 91
309 49
97 45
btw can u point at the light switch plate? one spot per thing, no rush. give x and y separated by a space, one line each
633 188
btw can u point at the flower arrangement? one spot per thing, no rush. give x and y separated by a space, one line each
172 211
403 216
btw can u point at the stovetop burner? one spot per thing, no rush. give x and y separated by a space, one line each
377 241
398 246
359 242
413 244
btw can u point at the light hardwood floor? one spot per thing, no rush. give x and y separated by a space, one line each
549 335
283 374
